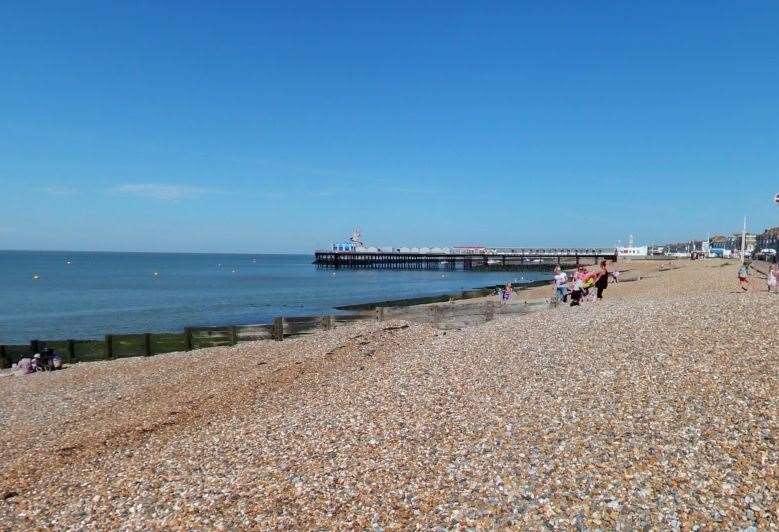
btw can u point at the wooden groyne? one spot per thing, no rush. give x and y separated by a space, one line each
541 258
114 346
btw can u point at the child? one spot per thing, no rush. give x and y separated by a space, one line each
507 291
576 293
742 277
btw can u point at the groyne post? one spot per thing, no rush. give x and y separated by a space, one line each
109 346
278 329
71 351
188 338
147 345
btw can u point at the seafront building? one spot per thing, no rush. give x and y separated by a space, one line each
749 239
720 246
631 250
768 239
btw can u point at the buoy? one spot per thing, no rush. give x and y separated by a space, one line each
35 276
156 274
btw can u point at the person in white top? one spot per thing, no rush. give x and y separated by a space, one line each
560 280
771 278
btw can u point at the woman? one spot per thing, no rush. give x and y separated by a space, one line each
559 282
602 281
771 278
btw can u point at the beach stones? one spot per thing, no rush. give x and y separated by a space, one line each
656 408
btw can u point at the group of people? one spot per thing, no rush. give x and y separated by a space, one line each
582 284
47 360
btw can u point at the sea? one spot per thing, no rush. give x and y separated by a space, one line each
50 295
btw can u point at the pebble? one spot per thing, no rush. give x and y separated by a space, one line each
656 408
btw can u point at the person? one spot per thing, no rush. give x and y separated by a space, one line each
507 291
602 279
24 366
771 278
576 293
615 276
743 273
560 280
587 281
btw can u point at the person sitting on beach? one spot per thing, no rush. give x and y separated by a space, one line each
560 281
576 293
743 274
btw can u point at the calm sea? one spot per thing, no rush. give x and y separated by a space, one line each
86 295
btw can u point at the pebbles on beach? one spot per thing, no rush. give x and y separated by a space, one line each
656 407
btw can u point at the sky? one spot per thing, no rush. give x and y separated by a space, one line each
277 127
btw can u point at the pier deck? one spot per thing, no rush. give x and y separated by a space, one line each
514 258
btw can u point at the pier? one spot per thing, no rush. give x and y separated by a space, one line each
498 258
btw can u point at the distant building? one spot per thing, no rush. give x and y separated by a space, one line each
719 242
354 243
476 248
632 251
749 238
768 239
683 249
656 250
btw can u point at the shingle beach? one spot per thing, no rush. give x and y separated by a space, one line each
657 407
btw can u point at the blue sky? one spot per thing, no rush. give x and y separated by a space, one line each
213 126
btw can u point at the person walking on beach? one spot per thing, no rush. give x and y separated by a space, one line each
771 278
560 281
743 274
602 280
507 291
